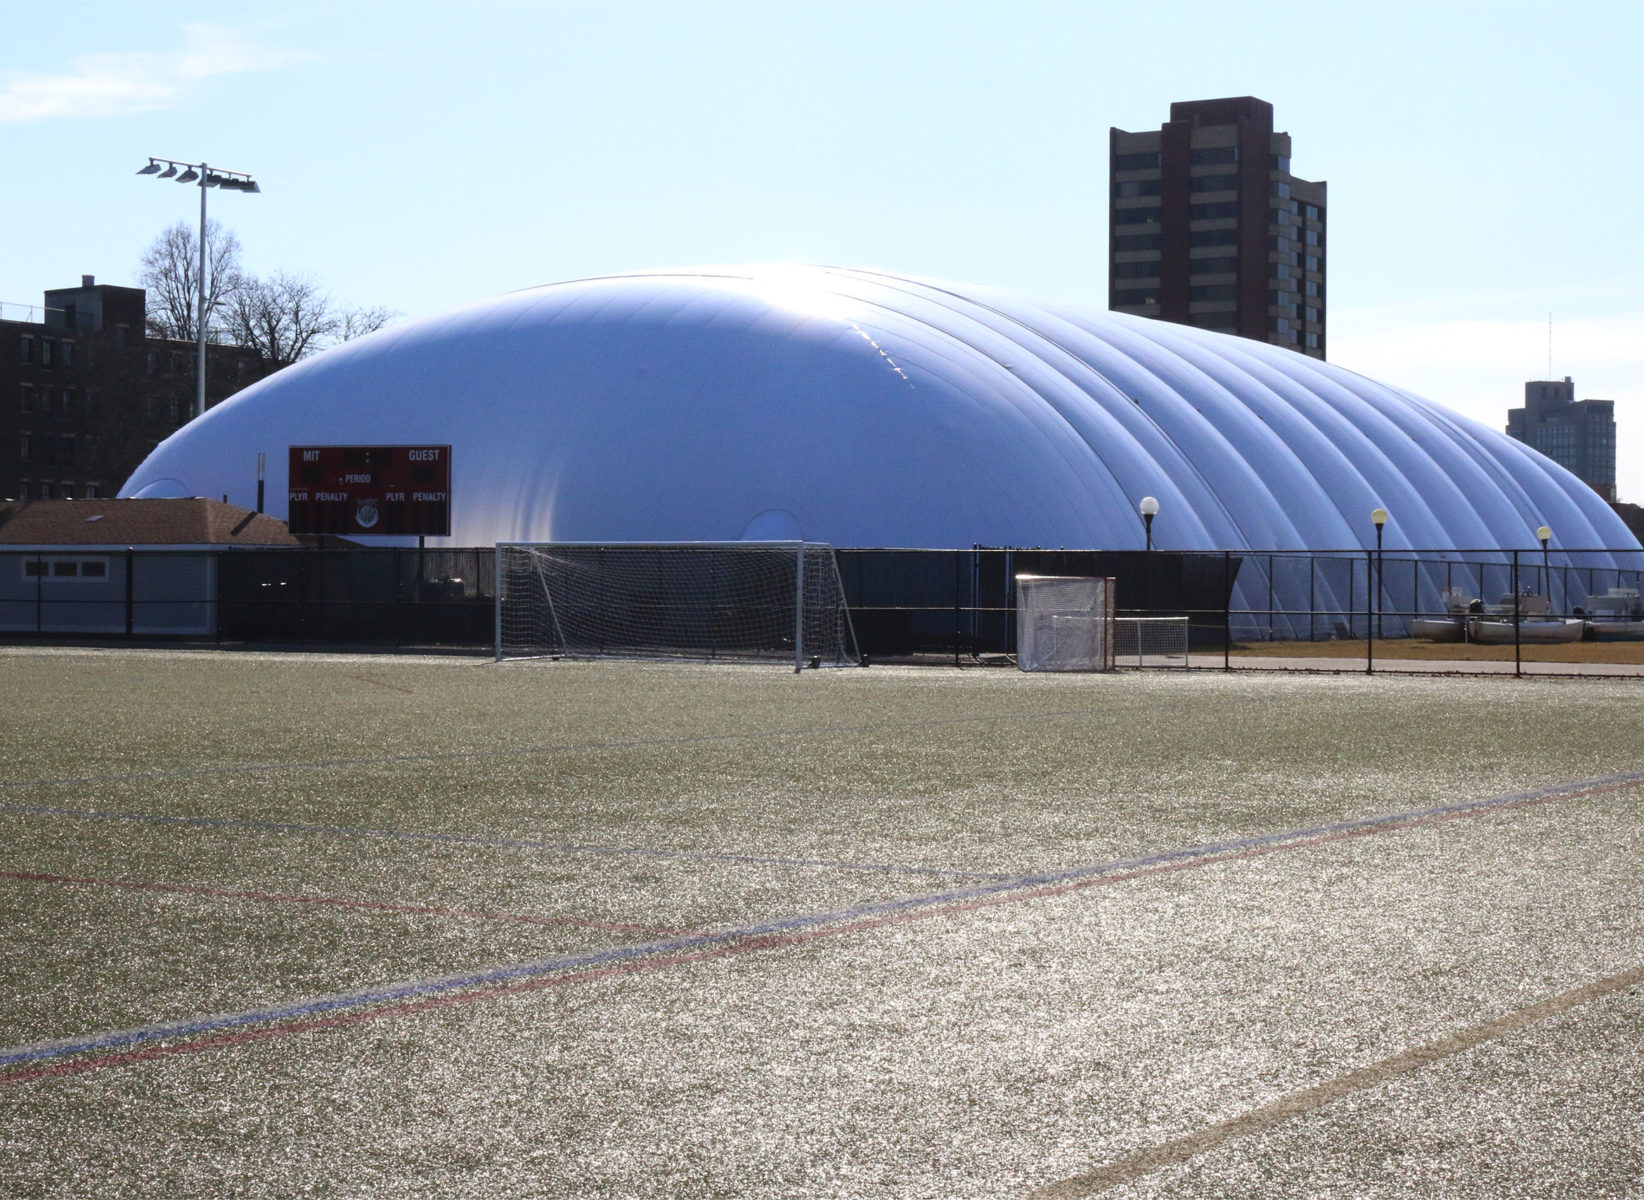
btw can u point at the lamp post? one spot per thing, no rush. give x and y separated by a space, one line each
1149 508
234 181
1545 535
1378 518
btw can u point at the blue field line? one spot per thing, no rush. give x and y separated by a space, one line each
503 843
420 989
329 764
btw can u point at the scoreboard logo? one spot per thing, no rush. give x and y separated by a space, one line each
381 490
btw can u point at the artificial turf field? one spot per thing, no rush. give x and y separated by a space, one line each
347 926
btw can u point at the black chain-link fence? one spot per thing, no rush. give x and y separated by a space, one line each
957 606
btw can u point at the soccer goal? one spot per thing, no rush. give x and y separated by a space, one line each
735 601
1150 642
1064 623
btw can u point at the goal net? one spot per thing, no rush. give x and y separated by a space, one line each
1150 642
1064 623
777 601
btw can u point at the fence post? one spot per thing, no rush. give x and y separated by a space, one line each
131 600
1370 612
1227 610
1312 600
1518 660
496 588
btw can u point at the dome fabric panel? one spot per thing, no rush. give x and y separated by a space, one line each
871 409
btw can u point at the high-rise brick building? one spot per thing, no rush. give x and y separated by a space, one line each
1208 227
1579 435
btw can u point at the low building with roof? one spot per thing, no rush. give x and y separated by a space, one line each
132 567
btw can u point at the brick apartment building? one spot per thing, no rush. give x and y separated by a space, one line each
85 393
1208 226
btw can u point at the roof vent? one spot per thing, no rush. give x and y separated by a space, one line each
88 281
94 517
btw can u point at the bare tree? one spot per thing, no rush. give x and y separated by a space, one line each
357 322
284 318
171 273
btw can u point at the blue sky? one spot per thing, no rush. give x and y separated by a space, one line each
1484 159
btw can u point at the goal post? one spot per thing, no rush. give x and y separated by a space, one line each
1064 623
732 601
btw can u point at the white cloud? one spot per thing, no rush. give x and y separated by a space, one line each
102 85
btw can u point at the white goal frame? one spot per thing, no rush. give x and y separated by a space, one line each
1156 642
816 600
1064 622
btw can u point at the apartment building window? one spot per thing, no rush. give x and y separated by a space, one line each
1213 183
1214 154
25 397
1215 266
1136 296
1131 216
45 352
1281 190
1214 237
1213 211
1137 241
66 357
1312 341
1136 162
1312 212
1312 262
65 448
1281 162
1312 237
25 447
1136 270
1215 291
1127 188
25 349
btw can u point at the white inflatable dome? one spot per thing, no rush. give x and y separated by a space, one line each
868 409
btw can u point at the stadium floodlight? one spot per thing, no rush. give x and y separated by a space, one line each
236 181
1149 508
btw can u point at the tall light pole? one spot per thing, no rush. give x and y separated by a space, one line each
234 181
1149 508
1545 534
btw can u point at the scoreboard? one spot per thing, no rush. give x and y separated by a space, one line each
378 490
